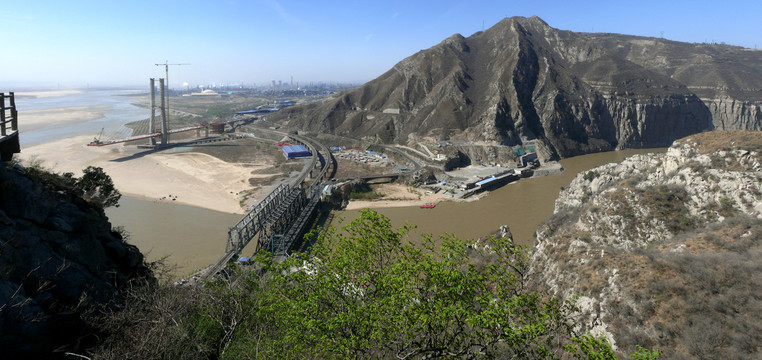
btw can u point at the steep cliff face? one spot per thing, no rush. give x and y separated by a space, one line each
726 78
60 263
662 250
572 92
729 113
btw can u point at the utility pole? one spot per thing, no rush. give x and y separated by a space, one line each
166 78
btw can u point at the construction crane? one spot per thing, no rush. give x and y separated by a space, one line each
166 70
98 139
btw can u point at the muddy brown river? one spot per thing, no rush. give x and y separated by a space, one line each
190 237
193 238
521 205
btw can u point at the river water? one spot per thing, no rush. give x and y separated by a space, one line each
119 111
190 237
193 238
521 205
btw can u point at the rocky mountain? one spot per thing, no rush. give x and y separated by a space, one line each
61 264
574 93
662 250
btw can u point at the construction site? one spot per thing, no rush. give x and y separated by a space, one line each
287 178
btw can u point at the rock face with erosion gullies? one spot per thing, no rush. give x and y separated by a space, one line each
725 78
60 265
662 250
574 93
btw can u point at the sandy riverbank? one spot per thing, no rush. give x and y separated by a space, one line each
190 178
398 195
37 119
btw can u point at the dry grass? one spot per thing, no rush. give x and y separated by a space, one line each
711 141
691 296
243 151
349 168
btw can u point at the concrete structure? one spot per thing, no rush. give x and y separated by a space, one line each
217 128
153 133
528 159
164 125
152 119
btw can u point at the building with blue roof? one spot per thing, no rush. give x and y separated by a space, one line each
295 151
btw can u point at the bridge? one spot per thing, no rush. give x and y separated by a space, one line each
279 220
98 142
9 130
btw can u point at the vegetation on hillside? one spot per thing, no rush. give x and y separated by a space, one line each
61 262
363 292
95 185
662 251
363 191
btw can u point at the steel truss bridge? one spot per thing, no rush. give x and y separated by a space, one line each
270 221
279 220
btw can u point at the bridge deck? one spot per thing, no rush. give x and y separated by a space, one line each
282 216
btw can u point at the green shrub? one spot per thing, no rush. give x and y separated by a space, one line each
98 187
591 175
362 292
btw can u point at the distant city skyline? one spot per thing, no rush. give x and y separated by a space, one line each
75 44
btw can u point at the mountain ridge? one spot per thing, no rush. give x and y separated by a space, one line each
522 80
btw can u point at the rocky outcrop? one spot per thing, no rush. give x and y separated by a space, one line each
570 93
661 250
60 264
729 113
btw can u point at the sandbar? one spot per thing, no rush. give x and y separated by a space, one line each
398 195
40 118
183 177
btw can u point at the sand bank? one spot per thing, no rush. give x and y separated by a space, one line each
189 178
36 119
47 94
398 195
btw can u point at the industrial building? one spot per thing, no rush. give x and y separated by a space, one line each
295 151
492 182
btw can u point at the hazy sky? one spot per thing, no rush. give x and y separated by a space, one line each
73 43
